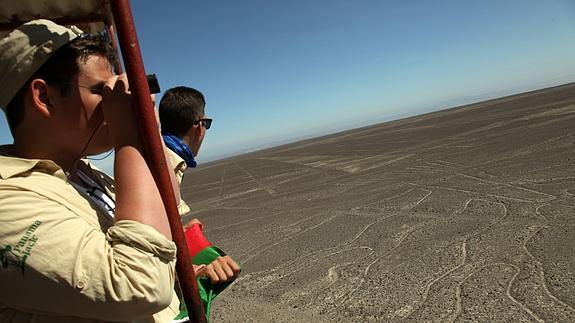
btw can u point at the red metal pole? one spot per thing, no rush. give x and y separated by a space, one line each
154 151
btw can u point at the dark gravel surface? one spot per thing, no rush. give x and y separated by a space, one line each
467 214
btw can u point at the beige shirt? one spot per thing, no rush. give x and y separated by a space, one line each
179 166
62 261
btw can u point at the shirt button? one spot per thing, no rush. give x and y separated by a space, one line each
80 285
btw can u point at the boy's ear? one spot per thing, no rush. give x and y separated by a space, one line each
40 97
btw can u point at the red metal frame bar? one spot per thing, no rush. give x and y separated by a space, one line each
154 151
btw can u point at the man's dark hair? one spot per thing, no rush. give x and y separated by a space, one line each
59 69
179 109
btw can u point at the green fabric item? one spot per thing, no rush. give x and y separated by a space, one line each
207 290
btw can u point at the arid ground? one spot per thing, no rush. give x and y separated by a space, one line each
467 214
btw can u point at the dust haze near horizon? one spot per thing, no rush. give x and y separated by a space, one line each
277 72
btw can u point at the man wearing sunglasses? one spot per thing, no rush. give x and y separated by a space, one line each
184 125
183 122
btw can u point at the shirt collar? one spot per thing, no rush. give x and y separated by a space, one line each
13 166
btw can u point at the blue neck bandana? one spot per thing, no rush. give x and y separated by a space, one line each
179 147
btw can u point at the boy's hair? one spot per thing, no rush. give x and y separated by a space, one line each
59 70
179 109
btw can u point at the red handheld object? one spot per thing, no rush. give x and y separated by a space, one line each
195 239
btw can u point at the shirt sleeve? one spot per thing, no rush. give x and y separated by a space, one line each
56 263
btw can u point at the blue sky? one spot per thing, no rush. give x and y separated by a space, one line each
273 71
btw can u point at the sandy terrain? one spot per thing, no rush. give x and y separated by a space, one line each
466 214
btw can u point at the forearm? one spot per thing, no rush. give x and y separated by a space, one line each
137 196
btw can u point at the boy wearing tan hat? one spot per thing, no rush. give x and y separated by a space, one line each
76 246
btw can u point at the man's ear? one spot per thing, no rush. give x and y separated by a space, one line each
195 132
40 97
198 129
192 132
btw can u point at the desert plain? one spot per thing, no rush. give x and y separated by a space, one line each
465 214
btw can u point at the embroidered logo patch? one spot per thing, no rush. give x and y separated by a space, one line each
16 255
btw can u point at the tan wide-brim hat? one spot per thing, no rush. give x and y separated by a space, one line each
25 50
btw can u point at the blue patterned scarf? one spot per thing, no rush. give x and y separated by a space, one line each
179 147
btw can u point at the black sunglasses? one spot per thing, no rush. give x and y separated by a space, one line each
207 123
